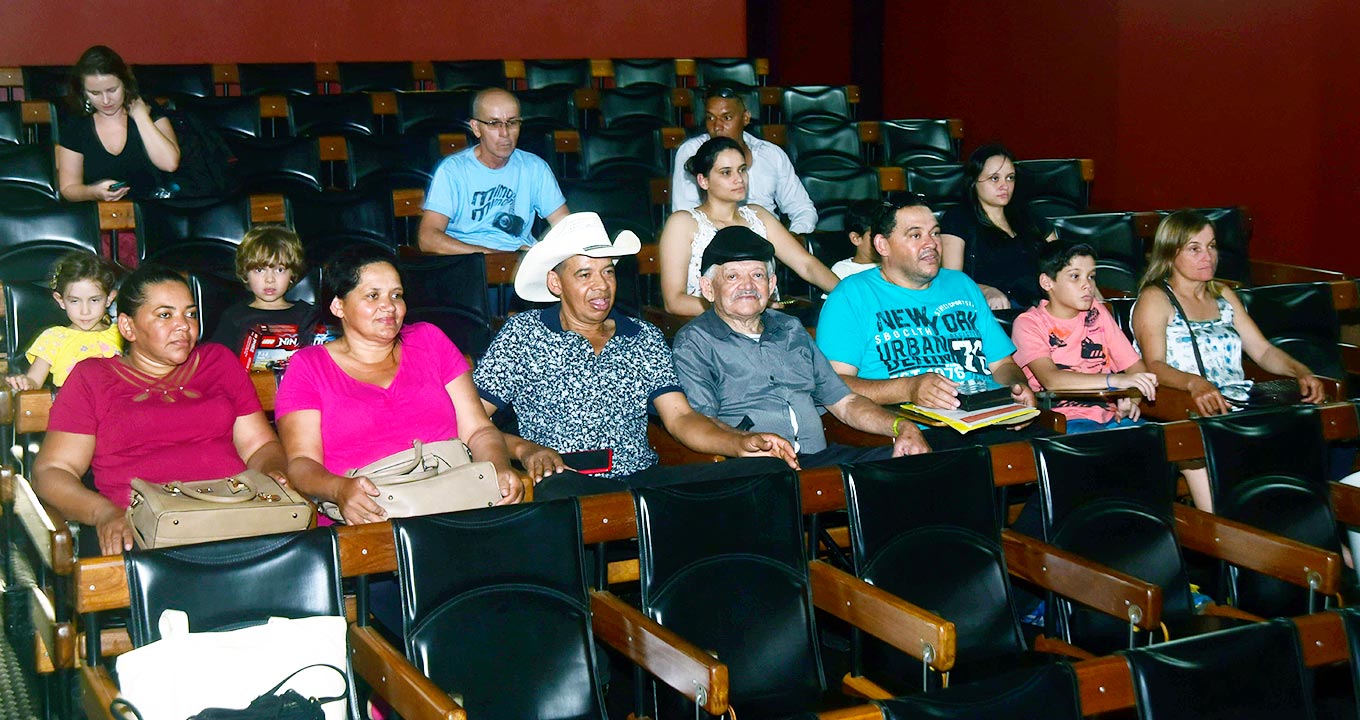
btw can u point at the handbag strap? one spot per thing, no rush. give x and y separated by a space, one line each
236 484
1194 344
344 694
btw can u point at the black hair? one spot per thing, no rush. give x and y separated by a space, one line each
707 155
885 219
132 292
859 217
100 60
1055 256
342 270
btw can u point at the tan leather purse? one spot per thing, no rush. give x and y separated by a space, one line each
428 478
246 504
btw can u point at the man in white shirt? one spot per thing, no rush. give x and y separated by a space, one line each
772 183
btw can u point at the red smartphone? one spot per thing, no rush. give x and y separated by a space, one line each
590 462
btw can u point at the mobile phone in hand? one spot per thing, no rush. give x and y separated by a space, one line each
590 462
118 185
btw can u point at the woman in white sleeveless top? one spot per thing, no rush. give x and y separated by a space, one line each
719 168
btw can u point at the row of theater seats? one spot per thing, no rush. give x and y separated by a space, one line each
726 568
46 82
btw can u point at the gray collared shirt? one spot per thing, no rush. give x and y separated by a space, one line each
731 377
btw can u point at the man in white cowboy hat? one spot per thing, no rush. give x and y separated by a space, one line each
582 377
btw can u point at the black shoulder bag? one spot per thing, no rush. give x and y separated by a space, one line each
287 705
1270 393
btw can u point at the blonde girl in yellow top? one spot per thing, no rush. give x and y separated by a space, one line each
83 286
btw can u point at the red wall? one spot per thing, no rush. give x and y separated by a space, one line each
1251 102
37 32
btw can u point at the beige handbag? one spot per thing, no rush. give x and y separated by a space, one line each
428 478
246 504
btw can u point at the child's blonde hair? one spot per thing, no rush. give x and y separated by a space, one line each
268 246
80 265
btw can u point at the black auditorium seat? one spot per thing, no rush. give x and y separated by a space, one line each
944 185
33 237
28 175
635 153
12 123
278 166
157 81
446 291
46 82
405 161
237 116
1300 319
1114 236
1048 692
424 113
276 78
645 71
194 235
803 102
643 105
369 76
327 222
28 311
832 191
823 144
1052 187
344 114
539 74
468 74
740 71
917 142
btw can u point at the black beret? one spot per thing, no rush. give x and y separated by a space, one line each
733 243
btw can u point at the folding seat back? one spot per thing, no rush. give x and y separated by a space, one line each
630 153
1108 497
1048 692
487 593
343 114
1052 187
469 74
645 71
29 310
391 163
32 238
203 235
1350 620
622 203
370 76
237 583
156 81
12 123
214 291
1121 261
1300 319
1122 310
547 109
1268 469
28 175
823 144
917 142
944 186
425 113
1232 230
276 78
738 71
723 565
540 74
446 291
830 247
641 106
231 116
46 82
801 103
833 191
328 222
278 166
936 545
1247 673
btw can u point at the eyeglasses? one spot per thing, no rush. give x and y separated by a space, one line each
511 124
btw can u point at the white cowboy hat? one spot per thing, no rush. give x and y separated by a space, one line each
579 233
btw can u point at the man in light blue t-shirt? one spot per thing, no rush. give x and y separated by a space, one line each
485 198
911 331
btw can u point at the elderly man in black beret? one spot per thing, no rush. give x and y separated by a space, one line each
758 369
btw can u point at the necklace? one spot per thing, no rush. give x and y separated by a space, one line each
163 387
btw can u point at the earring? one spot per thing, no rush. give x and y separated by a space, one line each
89 107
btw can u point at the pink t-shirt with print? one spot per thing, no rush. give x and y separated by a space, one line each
1090 342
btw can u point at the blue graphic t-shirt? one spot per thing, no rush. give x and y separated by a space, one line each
493 208
888 331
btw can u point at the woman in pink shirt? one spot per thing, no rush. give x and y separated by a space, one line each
374 390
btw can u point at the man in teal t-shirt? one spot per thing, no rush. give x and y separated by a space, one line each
912 331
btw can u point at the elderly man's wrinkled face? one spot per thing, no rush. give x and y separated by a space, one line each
739 290
586 286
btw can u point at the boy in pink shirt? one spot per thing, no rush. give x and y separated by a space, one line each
1071 342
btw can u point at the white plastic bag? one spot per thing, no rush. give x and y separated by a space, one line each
185 672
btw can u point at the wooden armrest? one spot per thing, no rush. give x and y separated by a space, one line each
892 179
1171 405
1053 646
1350 357
1229 611
8 399
99 691
672 451
54 643
860 686
882 614
101 584
775 133
667 656
32 409
267 209
46 529
266 387
859 712
566 141
1258 550
500 267
1265 272
1346 503
117 215
1076 578
839 432
1091 394
1055 421
391 676
1105 685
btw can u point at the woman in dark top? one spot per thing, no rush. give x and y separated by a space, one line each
114 137
992 240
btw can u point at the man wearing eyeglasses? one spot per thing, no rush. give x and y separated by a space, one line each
484 199
771 182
